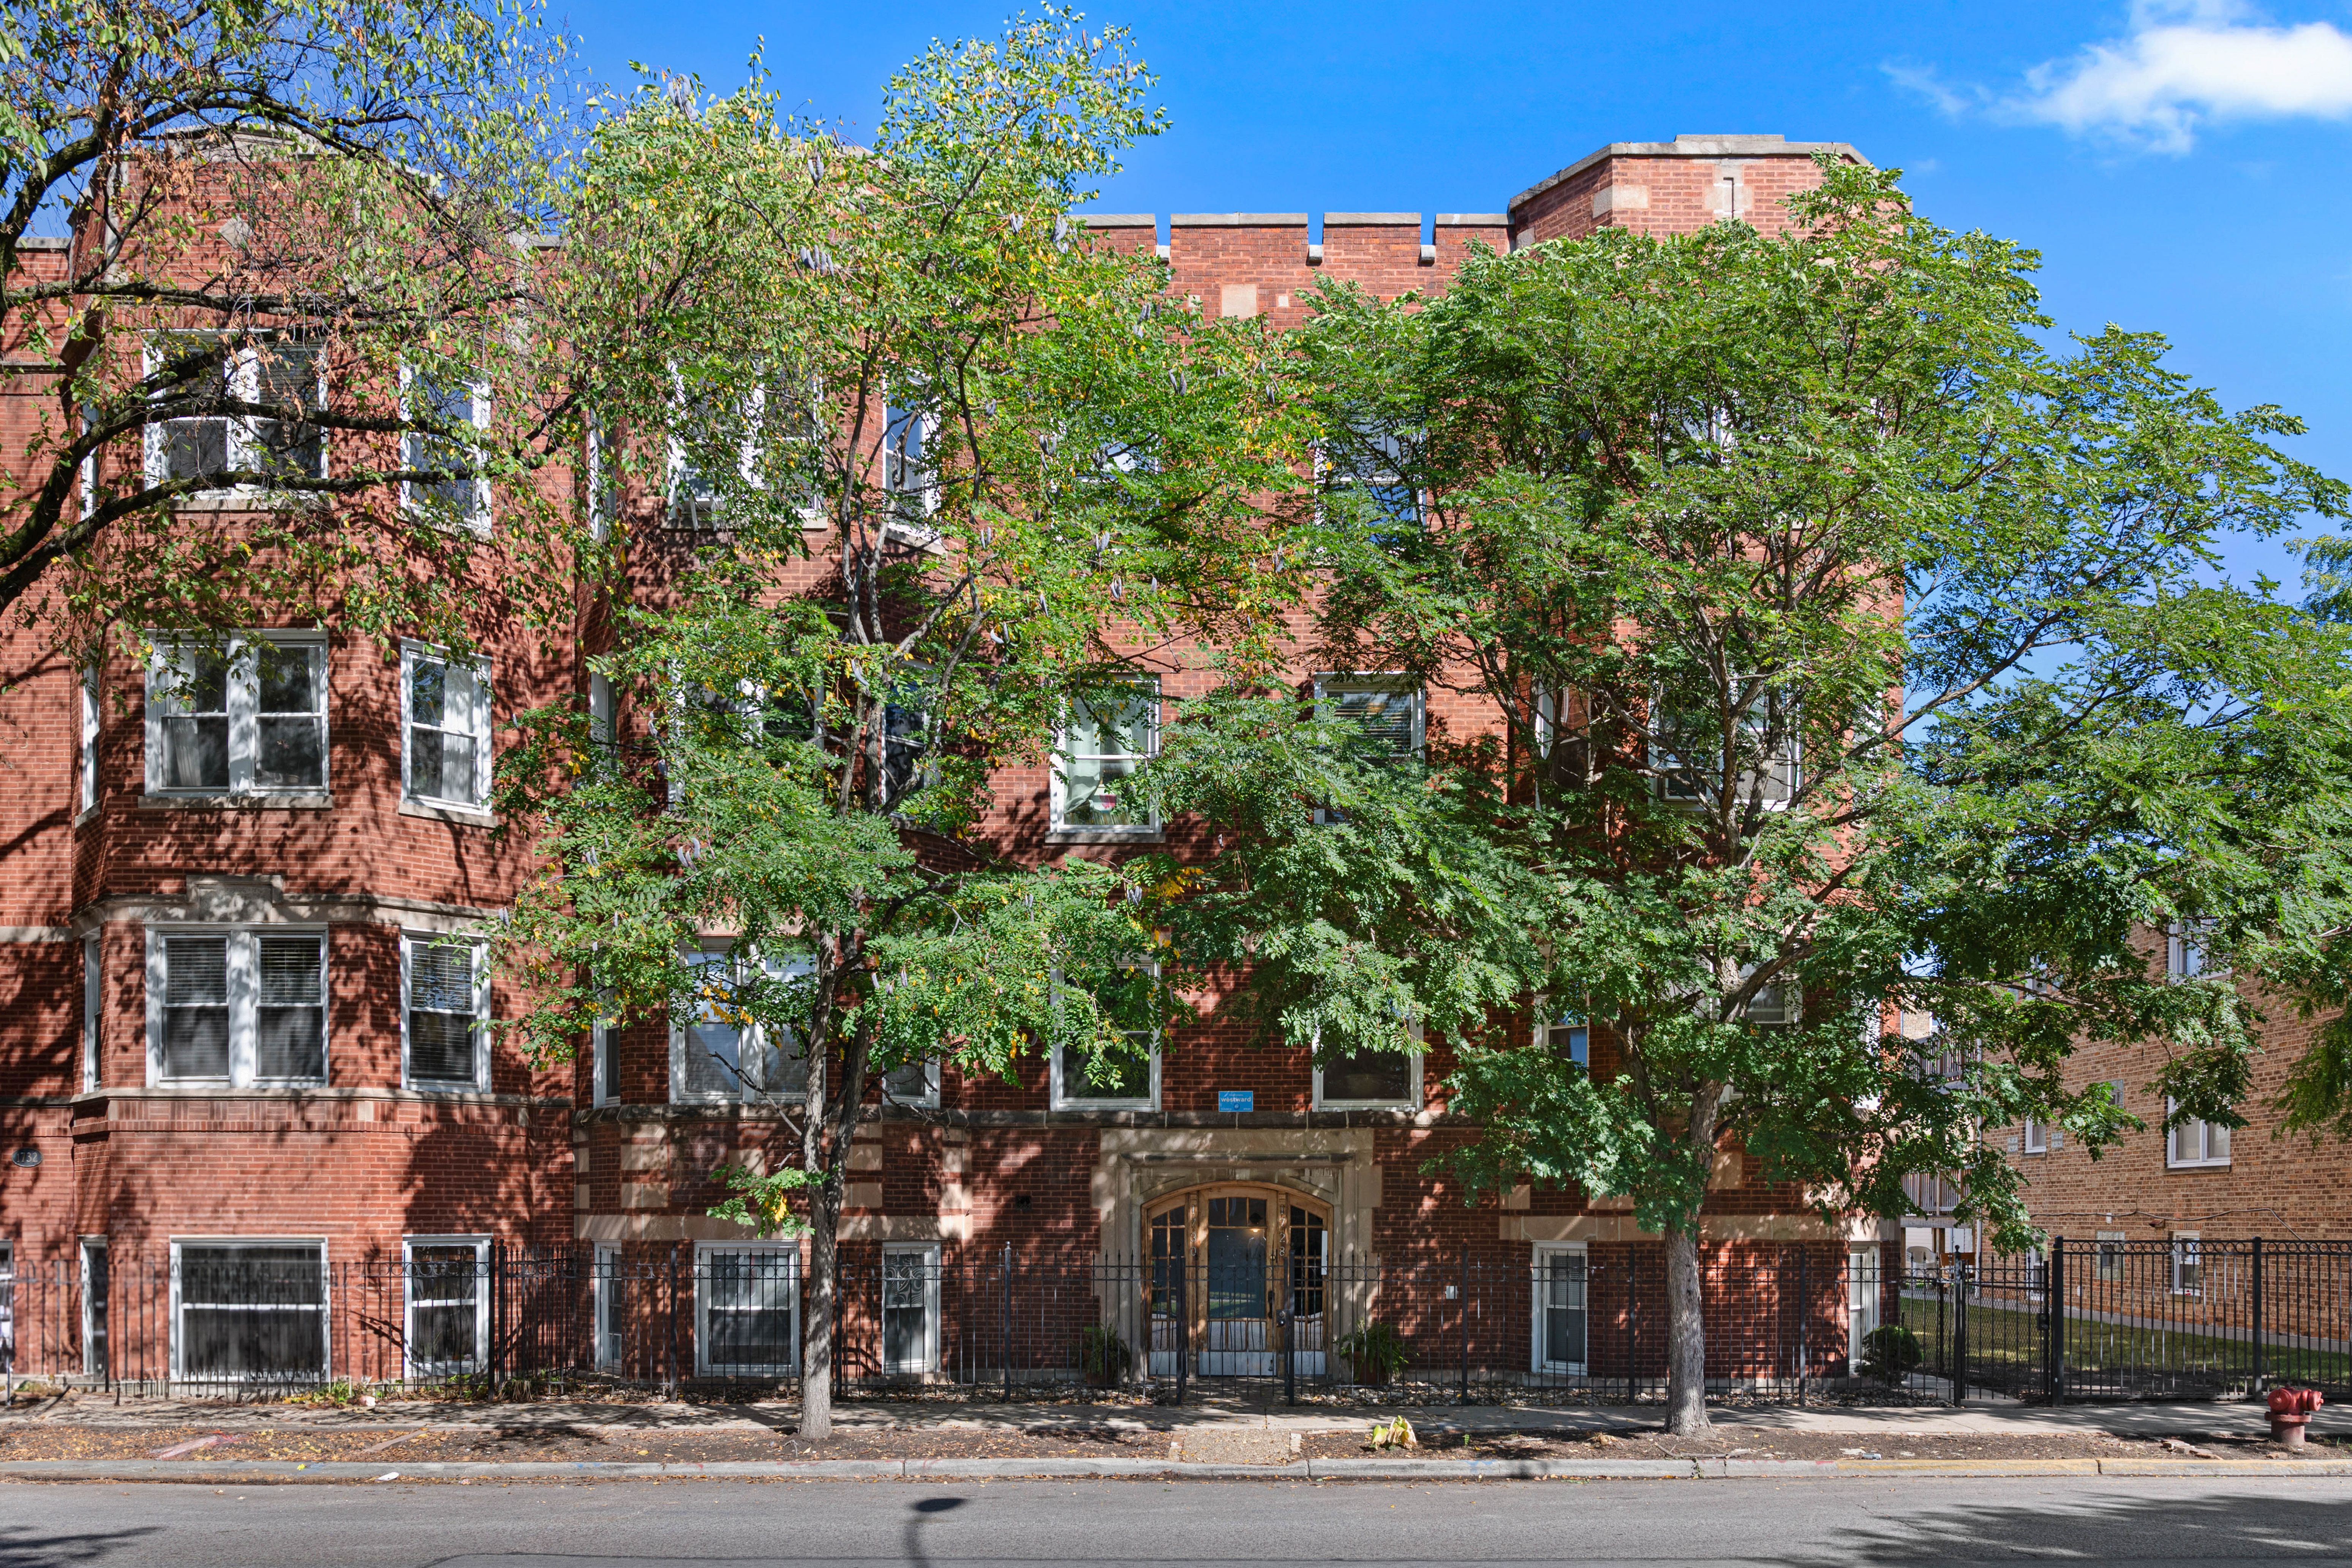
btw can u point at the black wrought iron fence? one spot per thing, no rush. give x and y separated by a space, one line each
241 1317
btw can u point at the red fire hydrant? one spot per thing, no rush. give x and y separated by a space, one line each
2291 1411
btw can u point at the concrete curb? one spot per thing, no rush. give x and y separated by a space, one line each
267 1471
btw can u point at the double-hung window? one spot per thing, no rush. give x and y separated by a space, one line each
1563 1032
92 987
2185 949
447 452
249 1310
747 1306
445 725
449 1304
1370 1079
2034 1136
445 1012
2195 1144
1686 755
724 1052
1559 1309
240 718
1101 742
909 468
1365 474
1080 1079
236 1007
910 1308
2188 1263
1388 708
86 752
205 439
2110 1249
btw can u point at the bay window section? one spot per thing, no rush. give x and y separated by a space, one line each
247 717
236 1007
1102 742
444 1011
444 722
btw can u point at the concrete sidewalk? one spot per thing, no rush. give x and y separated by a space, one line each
1212 1415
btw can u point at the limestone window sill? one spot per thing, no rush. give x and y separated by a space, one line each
466 815
1104 836
312 800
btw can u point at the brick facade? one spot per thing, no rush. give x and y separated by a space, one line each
534 1158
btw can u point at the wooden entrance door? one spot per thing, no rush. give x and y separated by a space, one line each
1233 1258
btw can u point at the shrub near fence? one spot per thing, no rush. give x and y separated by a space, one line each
278 1318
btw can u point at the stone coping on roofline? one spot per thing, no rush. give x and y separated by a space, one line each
1740 144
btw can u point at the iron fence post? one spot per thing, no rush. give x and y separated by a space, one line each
1290 1357
1005 1323
498 1319
1630 1392
1463 1397
1964 1275
1804 1313
672 1320
2258 1314
2054 1366
1183 1322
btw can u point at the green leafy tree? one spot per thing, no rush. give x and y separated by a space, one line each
255 259
1855 658
926 466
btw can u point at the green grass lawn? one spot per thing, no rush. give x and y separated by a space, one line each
2004 1346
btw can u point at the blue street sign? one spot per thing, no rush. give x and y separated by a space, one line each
1237 1100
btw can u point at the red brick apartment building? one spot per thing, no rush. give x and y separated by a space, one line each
230 1041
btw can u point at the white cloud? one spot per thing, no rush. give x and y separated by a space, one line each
2155 87
2180 67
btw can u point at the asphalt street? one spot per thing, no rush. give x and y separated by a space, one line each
718 1524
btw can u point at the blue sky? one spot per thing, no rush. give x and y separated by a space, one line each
2181 166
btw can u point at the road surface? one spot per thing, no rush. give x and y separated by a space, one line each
1143 1524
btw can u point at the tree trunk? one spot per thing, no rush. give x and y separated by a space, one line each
1685 1337
816 1330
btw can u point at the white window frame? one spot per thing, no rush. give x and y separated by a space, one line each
894 476
1415 1093
1538 1362
602 1088
478 519
2183 949
1059 1098
703 1252
326 1306
244 972
1148 692
1865 1298
410 940
928 1252
1664 773
413 654
600 477
93 984
600 709
2108 1255
1330 477
97 1316
1332 684
929 1100
410 1366
2208 1134
607 1306
754 1035
243 697
241 448
2187 1262
86 752
1548 1020
2033 1135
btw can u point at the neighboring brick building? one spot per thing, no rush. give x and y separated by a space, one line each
232 1040
2196 1183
